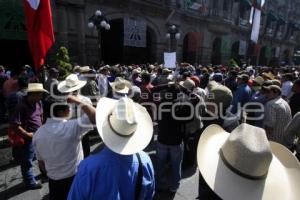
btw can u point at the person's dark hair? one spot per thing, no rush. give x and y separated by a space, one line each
53 107
159 70
57 109
288 76
297 82
23 82
146 77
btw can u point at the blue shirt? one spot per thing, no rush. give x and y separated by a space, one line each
110 176
240 98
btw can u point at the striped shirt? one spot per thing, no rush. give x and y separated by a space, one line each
277 116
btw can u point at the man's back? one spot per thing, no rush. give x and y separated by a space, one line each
277 115
108 175
58 144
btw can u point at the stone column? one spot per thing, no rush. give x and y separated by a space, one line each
206 48
81 27
62 25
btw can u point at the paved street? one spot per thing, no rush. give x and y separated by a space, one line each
11 186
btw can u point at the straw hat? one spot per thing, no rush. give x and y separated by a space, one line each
188 84
85 69
71 84
121 85
137 71
124 126
220 95
268 76
244 165
35 87
259 80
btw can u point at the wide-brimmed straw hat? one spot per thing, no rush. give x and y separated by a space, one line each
124 126
120 85
188 84
35 87
268 76
71 84
85 69
245 165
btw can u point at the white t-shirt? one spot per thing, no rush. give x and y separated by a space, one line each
58 144
286 89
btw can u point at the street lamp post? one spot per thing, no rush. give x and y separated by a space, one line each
173 34
98 21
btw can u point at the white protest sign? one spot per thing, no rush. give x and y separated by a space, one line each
170 60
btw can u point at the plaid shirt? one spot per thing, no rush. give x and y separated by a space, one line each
292 132
277 116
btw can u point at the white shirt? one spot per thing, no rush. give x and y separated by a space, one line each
77 111
286 89
58 144
103 85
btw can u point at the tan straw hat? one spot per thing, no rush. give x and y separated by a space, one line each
35 87
124 126
188 84
245 165
71 84
120 85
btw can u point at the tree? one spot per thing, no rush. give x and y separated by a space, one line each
232 63
63 63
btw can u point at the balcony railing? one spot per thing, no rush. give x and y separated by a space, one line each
214 12
269 32
227 16
243 23
279 35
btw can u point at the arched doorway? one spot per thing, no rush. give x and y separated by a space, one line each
235 51
286 57
263 60
192 47
114 51
216 57
274 62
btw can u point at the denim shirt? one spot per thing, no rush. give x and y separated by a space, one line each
241 96
108 175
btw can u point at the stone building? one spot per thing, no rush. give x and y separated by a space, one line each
211 31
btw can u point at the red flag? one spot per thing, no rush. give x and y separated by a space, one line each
39 29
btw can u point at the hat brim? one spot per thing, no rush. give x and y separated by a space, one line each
37 90
123 145
126 90
282 181
62 87
181 83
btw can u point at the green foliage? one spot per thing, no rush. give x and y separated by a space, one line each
233 63
63 63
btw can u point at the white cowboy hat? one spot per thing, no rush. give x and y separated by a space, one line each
124 126
35 87
121 86
85 69
71 84
137 71
244 165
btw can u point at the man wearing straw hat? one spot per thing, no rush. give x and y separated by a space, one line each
72 85
25 122
58 144
244 165
121 170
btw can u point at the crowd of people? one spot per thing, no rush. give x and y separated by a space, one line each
250 109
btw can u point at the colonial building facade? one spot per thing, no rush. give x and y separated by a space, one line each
211 31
